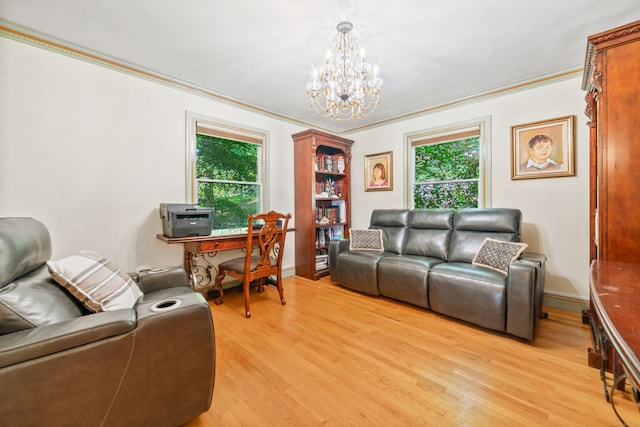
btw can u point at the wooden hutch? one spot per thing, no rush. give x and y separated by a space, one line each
612 82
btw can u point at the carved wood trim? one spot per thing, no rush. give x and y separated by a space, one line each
596 84
591 81
588 65
588 110
616 34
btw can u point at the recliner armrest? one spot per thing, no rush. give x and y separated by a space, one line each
162 278
525 290
335 248
161 304
41 341
534 257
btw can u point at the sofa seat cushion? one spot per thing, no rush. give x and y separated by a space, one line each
34 300
468 292
358 270
404 278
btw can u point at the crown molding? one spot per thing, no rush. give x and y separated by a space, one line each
66 49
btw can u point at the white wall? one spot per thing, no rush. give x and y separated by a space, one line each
92 152
555 210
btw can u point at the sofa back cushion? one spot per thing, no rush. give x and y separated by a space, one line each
25 245
429 232
393 223
472 226
28 296
33 300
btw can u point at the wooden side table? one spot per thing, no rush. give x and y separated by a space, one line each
615 298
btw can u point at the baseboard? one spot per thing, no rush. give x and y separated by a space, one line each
564 302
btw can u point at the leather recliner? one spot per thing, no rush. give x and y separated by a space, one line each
150 365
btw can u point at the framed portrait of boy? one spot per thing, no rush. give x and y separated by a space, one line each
543 149
378 171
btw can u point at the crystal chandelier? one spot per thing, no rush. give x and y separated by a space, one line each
345 86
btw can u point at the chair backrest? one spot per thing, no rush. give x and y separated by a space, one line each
271 234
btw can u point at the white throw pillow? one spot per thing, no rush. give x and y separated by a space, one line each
95 282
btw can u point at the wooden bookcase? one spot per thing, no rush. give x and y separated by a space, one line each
322 198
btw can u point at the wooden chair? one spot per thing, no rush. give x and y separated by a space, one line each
270 239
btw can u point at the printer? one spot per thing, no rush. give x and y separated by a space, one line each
185 220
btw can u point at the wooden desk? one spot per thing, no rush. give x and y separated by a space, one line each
615 299
205 248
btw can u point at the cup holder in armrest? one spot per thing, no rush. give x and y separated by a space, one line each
166 305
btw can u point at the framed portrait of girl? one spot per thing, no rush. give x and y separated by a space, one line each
378 171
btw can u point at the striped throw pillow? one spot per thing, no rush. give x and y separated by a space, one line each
95 282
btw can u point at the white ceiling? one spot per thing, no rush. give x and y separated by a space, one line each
260 53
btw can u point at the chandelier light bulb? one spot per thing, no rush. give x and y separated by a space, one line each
345 86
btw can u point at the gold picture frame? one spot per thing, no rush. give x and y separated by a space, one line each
378 171
543 149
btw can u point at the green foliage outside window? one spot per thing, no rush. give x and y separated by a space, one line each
447 174
227 180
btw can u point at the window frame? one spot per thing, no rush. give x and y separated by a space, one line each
225 130
451 133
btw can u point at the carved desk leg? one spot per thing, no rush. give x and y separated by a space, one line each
200 276
189 261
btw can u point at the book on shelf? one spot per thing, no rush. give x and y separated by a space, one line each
326 163
328 189
328 215
337 233
325 235
322 261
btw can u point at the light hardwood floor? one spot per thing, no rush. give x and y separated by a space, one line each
331 356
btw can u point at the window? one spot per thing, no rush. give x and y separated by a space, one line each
446 168
225 167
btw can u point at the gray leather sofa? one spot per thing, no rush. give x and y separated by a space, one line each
427 262
150 365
